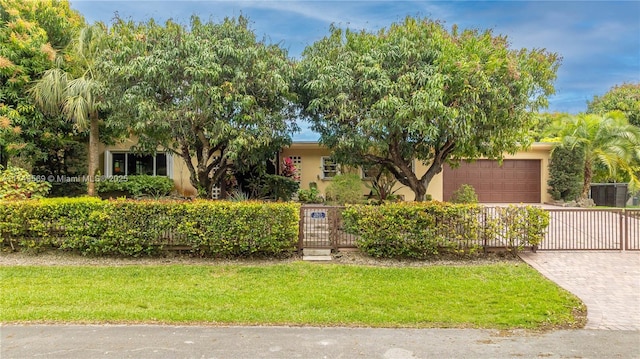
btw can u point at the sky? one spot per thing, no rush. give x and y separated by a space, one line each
598 41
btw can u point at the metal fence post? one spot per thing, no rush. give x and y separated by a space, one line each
624 229
484 229
301 230
332 221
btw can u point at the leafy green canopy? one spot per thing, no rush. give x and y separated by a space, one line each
625 98
33 34
608 141
417 91
209 92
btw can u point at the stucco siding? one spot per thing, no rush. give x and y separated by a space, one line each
310 168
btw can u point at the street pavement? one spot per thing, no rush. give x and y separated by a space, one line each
155 341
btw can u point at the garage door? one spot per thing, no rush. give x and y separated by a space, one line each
514 182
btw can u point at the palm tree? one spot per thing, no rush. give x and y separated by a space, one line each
75 94
607 140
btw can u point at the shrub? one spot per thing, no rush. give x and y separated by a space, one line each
518 226
420 230
136 186
413 230
228 229
289 170
113 188
52 221
311 195
154 186
238 196
126 228
279 187
382 187
345 188
143 228
566 173
465 194
16 183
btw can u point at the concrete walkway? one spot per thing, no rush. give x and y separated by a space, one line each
607 282
148 341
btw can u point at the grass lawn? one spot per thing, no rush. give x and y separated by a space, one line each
489 296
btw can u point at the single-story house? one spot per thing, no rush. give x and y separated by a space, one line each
521 177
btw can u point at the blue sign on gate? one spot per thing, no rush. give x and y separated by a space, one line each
318 215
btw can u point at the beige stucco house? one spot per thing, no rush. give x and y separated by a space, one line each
521 177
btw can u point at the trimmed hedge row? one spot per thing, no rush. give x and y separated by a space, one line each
423 229
137 228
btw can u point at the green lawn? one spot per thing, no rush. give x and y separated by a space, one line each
490 296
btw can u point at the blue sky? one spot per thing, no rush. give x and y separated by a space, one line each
599 41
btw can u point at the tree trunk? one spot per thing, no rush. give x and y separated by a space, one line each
439 158
94 137
587 180
433 170
223 189
420 191
204 183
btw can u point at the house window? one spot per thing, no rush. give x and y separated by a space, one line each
297 163
329 167
131 164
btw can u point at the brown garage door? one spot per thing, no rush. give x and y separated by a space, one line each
514 182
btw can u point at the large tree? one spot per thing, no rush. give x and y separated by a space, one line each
208 92
33 35
418 91
625 98
605 140
77 94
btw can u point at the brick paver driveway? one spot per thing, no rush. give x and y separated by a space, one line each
607 282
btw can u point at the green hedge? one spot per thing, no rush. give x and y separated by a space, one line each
137 228
423 229
215 228
516 226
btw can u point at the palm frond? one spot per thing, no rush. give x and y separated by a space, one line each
77 109
50 91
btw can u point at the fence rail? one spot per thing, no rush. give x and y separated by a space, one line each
593 229
322 227
569 229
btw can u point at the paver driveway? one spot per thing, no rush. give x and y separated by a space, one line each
607 282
